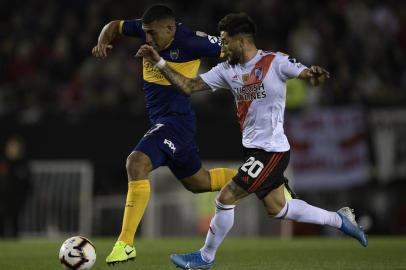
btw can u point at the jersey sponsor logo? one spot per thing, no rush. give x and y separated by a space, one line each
214 39
153 71
174 54
170 145
250 92
153 75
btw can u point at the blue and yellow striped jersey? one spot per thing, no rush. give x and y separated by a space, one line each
184 56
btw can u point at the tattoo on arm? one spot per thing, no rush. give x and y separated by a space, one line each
186 85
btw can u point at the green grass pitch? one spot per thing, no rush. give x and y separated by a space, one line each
235 253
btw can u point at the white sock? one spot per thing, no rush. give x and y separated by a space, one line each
301 211
220 225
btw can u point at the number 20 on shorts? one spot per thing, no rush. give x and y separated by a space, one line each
252 167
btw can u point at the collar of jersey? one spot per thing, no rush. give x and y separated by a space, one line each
253 59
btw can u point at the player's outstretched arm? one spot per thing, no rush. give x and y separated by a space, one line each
186 85
315 75
109 32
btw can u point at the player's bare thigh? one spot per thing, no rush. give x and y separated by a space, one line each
231 193
275 200
199 182
138 166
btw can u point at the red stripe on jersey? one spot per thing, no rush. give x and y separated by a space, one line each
262 65
242 109
257 75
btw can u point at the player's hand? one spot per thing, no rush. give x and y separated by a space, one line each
149 53
317 71
101 50
317 75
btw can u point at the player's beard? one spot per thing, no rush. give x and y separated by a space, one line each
233 59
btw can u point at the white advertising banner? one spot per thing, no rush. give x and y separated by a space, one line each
388 138
328 148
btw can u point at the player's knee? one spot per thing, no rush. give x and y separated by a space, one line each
226 198
231 193
137 166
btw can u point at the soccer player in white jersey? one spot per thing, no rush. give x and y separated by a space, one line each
257 80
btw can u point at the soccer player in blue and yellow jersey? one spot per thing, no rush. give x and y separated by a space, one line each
170 140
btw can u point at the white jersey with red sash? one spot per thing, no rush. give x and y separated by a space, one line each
259 88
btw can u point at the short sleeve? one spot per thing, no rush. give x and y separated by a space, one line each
215 78
132 28
205 45
288 67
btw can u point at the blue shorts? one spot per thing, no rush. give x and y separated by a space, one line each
170 142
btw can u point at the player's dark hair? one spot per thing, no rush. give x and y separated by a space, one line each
157 12
237 23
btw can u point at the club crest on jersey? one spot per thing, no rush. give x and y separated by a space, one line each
174 54
258 73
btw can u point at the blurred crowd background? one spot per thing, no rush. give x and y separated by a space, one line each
47 69
62 103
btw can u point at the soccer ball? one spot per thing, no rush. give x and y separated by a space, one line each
77 253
